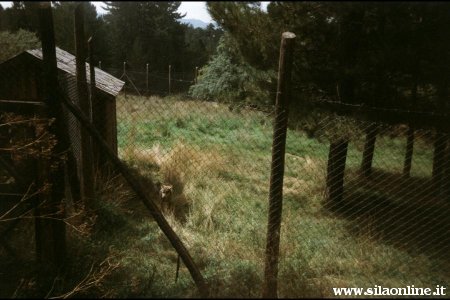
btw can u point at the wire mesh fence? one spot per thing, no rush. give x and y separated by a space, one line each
154 82
365 203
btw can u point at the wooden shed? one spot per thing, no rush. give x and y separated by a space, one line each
21 79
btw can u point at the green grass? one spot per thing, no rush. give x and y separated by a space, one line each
223 158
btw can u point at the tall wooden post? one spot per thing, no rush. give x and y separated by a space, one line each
87 181
196 75
98 113
146 79
410 135
51 232
277 169
146 194
170 78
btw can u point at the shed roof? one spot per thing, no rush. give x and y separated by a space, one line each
67 62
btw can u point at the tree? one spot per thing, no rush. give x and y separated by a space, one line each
15 43
227 78
21 15
64 23
398 43
370 54
156 27
200 45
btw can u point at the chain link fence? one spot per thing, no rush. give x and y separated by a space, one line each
365 203
153 82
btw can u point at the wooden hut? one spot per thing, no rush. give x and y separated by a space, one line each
21 80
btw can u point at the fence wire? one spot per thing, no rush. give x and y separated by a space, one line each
372 209
364 203
154 83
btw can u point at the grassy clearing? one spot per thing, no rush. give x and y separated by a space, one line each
222 157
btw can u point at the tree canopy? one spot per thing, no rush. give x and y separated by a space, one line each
136 32
370 53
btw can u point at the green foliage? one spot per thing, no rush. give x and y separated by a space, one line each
357 52
63 18
152 26
249 27
226 156
136 32
21 15
227 78
14 43
200 44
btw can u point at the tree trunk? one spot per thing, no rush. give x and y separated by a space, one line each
439 159
335 171
409 152
369 149
446 173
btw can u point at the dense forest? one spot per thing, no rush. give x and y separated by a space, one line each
158 191
153 34
368 53
357 52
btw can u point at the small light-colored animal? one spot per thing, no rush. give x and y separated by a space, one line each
171 200
165 195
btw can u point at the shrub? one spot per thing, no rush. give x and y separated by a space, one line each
228 78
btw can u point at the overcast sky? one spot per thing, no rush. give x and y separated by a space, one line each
193 9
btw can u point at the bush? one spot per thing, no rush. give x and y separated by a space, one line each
227 78
14 43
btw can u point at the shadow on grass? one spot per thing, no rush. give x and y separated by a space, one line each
407 213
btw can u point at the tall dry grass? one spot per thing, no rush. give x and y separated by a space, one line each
219 161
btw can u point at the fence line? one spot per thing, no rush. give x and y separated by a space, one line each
363 190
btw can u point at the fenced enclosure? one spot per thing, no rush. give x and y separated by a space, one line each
365 201
387 225
142 80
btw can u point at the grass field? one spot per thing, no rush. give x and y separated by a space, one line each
222 158
218 160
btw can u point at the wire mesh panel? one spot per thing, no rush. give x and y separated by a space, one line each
68 86
211 162
365 203
154 83
390 225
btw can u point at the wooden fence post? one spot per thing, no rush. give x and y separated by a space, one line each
51 233
410 139
98 111
146 79
87 180
146 198
170 78
277 168
196 75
